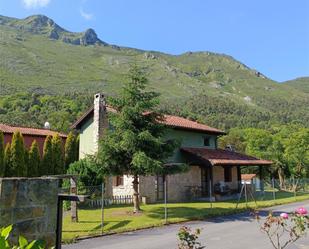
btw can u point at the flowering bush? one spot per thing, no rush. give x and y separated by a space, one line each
188 239
285 229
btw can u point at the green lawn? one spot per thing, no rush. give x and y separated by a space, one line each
120 218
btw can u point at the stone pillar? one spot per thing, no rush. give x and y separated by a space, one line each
30 204
100 122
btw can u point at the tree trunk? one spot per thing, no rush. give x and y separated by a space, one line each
281 178
136 195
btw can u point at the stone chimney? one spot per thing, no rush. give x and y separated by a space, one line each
100 122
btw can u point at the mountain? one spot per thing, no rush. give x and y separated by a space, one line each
39 56
301 84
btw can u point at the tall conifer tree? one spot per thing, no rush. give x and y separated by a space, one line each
2 169
70 150
18 155
8 168
58 157
47 166
34 159
136 145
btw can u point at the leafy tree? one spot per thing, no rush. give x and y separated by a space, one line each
258 142
297 152
47 165
70 149
8 161
235 138
276 151
34 159
18 155
2 169
57 155
77 148
135 146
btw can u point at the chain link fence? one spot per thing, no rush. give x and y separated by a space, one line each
100 214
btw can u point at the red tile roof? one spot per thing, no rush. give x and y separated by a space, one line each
28 131
169 120
224 157
247 177
183 123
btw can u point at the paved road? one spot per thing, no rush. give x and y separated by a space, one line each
231 232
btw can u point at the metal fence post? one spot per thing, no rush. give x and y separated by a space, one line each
273 185
210 194
73 190
165 200
102 208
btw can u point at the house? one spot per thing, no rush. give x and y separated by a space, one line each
212 171
29 135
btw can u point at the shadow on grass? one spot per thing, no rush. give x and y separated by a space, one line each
189 213
118 224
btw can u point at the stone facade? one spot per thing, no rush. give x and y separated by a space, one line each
126 188
30 204
218 176
177 185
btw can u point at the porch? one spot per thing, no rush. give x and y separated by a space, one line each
220 173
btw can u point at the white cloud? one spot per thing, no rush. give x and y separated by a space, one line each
33 4
87 16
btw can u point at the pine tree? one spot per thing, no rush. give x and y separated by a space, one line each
47 166
70 150
34 159
2 169
18 155
8 168
136 145
58 159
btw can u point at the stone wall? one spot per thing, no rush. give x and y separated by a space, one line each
30 204
177 185
218 175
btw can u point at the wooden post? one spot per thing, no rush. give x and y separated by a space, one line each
239 178
73 191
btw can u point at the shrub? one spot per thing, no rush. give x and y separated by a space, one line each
189 239
294 226
88 171
22 241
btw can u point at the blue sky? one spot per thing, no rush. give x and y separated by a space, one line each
271 36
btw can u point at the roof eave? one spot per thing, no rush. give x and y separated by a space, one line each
196 130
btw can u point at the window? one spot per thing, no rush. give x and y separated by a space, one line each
227 174
118 181
206 141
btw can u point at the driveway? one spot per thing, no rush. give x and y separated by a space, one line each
239 231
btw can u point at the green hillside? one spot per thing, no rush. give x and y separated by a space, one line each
39 57
301 84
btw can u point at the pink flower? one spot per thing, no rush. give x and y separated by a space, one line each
284 216
301 211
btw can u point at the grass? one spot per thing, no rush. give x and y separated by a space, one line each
120 218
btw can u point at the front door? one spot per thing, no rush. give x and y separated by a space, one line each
205 181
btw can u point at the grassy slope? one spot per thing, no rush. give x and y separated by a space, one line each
301 84
32 60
